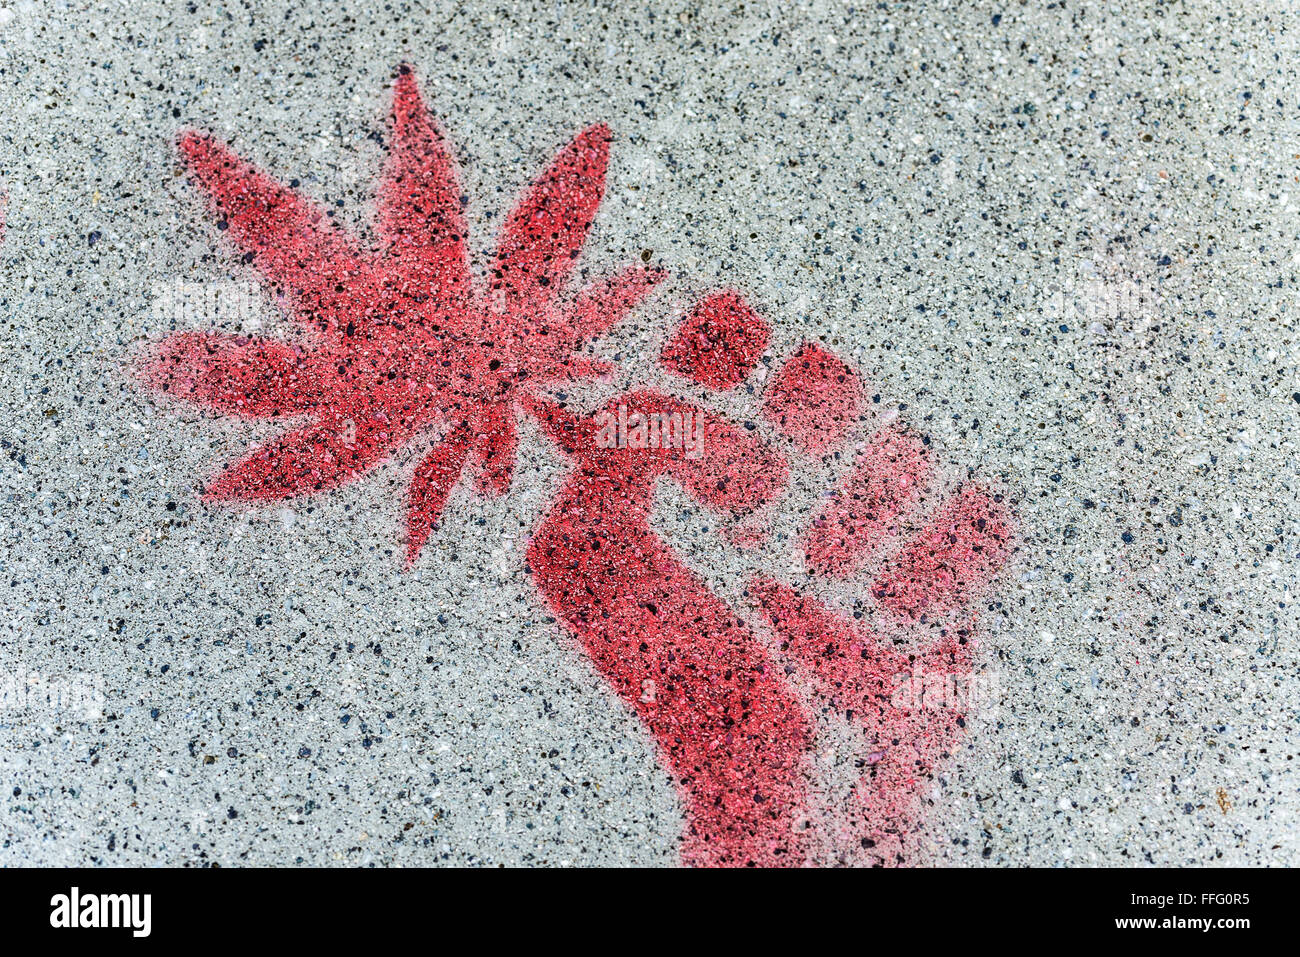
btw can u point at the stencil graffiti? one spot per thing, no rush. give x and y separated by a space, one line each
399 342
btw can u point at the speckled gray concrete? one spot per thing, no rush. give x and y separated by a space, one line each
1064 235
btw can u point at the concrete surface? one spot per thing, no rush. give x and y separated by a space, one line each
1075 223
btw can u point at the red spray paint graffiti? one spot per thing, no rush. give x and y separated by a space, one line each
728 723
718 343
727 726
814 399
905 737
884 486
399 341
